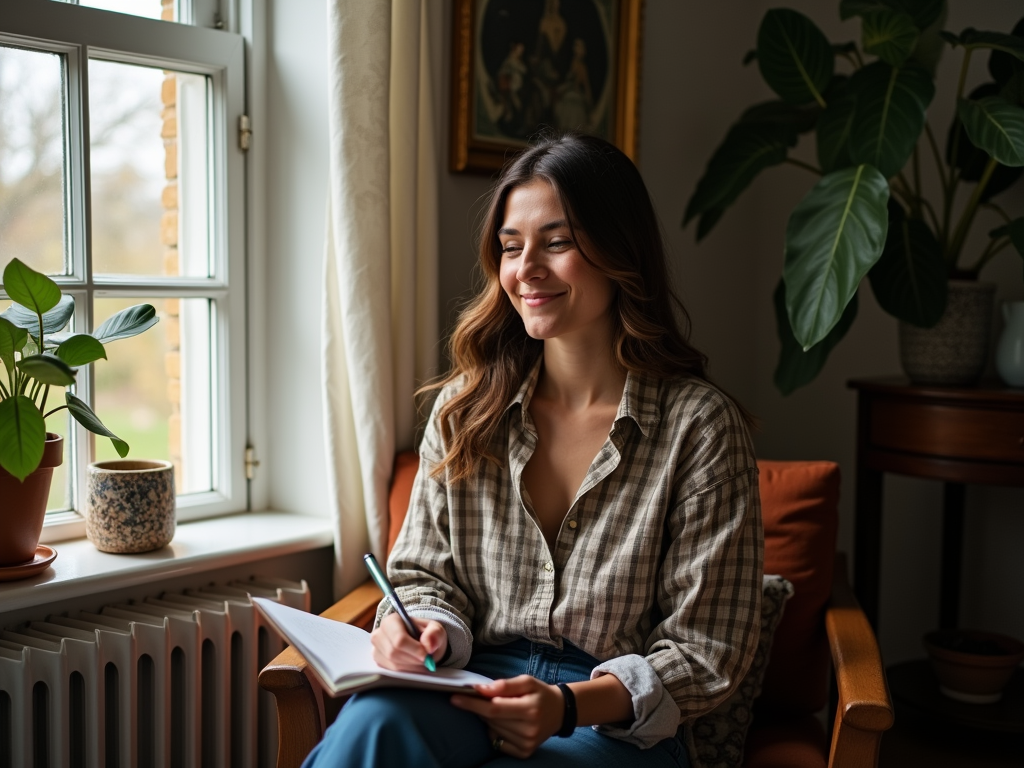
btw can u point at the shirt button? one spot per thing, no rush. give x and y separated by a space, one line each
572 523
548 567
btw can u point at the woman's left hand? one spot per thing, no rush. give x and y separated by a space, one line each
522 711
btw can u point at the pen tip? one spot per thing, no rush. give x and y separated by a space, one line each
429 663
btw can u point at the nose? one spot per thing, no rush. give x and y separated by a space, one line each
531 266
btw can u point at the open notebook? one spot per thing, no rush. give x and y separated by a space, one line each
341 654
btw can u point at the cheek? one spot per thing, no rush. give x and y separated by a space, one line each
507 278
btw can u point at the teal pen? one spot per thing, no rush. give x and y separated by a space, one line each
385 586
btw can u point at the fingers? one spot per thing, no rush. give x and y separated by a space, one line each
394 648
522 711
434 638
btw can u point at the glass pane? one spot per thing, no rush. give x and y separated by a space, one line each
154 389
150 171
32 143
151 9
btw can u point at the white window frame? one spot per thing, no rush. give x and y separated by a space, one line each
80 33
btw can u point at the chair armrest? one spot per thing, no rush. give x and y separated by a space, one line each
865 708
301 718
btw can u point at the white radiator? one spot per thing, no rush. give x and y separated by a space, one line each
166 682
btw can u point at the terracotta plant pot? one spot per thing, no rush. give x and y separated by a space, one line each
24 505
973 666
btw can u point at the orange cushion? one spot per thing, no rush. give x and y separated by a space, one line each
796 743
799 504
402 476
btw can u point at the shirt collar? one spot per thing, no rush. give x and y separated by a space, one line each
639 402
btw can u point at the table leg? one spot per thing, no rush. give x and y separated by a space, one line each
952 553
867 545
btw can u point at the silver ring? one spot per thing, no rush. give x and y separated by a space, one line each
498 744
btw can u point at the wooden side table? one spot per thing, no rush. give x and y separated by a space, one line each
956 435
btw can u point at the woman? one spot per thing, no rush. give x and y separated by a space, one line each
585 525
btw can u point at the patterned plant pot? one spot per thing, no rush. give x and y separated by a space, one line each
130 506
955 350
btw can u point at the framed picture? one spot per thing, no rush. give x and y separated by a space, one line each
520 66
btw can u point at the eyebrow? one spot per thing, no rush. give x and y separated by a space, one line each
545 228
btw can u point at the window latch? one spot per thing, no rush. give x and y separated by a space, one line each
244 132
251 462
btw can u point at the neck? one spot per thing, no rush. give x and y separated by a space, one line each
579 376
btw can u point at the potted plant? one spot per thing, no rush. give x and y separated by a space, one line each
870 214
36 355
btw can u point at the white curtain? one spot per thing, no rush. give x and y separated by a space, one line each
380 326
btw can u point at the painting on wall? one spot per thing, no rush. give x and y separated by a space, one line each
523 66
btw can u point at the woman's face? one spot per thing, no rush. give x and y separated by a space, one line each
552 287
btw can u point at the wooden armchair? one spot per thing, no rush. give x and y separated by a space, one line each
822 627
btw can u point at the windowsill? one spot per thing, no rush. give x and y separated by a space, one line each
80 569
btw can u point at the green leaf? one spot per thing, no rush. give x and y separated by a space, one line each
707 222
22 436
1002 66
31 289
796 367
971 161
834 128
890 114
909 280
995 126
747 150
972 39
923 13
47 369
81 349
12 339
889 35
795 58
834 236
127 323
84 415
53 320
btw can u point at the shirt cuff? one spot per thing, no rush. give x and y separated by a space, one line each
460 639
657 716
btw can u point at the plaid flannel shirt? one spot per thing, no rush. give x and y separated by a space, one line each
656 569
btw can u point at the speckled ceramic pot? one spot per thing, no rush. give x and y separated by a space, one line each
130 505
954 351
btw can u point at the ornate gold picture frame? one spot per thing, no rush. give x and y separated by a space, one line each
520 66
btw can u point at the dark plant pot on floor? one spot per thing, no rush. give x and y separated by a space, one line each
973 666
954 351
24 505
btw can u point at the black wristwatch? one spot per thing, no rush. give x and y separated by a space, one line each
569 717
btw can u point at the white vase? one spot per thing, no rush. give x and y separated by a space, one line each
1010 351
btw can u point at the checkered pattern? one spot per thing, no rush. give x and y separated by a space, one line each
660 554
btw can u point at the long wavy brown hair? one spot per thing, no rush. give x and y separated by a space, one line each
617 232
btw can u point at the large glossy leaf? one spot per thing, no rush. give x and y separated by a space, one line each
1002 66
47 369
12 339
31 289
126 323
972 161
81 349
909 279
747 150
995 126
795 58
84 415
834 236
889 35
22 436
797 367
834 128
53 320
890 114
972 39
923 13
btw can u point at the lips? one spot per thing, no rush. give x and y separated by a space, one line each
539 299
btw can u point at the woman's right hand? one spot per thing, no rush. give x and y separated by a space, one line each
394 648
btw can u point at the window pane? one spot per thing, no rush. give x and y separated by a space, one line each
150 171
32 144
151 9
154 390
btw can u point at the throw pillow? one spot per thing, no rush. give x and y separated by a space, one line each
719 736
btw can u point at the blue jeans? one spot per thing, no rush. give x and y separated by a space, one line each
397 727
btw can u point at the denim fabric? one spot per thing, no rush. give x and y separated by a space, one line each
395 728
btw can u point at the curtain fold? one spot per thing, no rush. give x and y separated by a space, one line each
380 260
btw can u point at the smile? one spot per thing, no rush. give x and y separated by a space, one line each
539 299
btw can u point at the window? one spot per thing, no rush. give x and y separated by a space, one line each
121 177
